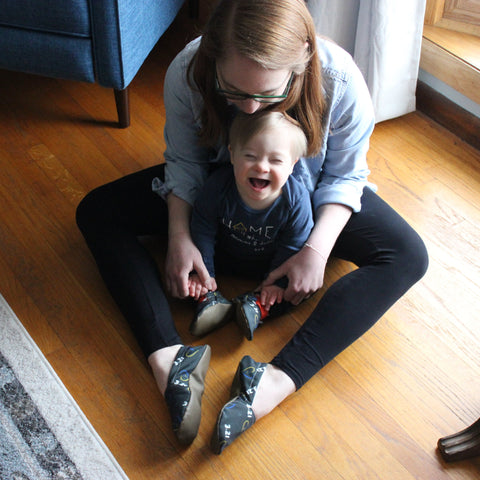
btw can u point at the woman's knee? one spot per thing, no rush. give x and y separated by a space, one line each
90 209
412 256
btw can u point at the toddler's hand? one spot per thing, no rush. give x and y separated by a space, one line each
196 288
270 295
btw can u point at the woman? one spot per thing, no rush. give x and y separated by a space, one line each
255 54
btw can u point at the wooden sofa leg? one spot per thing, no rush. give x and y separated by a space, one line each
461 445
123 107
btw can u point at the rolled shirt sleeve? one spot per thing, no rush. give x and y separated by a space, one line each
186 160
344 170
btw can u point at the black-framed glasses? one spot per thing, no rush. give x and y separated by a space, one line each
236 96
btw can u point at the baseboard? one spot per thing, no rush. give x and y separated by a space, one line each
448 114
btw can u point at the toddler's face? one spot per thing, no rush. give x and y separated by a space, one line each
262 166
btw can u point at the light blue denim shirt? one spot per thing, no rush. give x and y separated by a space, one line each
337 174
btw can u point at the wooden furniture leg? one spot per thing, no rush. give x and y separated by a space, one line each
121 96
123 107
461 445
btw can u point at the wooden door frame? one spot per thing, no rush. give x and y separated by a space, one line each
434 11
434 16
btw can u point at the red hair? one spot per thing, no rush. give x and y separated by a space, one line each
276 34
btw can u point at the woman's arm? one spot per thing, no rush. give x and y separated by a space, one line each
343 178
330 221
305 270
182 256
186 160
186 171
205 222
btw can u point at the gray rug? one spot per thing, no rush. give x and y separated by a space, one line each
43 433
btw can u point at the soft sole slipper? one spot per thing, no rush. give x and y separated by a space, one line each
185 389
237 415
213 312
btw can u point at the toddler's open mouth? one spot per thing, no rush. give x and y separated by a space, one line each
259 183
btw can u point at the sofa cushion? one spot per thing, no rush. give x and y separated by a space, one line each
46 54
70 17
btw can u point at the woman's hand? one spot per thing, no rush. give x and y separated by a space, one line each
183 257
305 271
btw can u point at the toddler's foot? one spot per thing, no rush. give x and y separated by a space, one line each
213 311
249 313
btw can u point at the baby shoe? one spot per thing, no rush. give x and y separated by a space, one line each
185 389
249 313
213 311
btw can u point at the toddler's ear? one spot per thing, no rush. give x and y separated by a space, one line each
230 150
295 160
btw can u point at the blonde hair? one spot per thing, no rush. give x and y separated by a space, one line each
245 127
276 34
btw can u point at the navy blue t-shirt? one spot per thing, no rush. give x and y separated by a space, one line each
236 238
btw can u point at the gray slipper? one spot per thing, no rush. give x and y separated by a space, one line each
185 389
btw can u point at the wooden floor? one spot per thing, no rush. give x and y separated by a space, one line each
376 411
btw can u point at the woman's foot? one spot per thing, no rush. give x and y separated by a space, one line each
256 390
161 362
274 387
182 386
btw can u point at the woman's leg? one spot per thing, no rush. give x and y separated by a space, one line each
390 256
111 218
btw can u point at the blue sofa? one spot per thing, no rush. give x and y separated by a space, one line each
104 41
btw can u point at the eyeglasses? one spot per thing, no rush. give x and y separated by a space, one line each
236 96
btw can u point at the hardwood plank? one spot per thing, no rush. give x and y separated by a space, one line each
25 308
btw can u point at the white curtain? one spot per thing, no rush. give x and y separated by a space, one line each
384 37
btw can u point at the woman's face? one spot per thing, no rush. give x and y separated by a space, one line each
241 75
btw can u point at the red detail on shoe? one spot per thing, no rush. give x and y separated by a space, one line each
263 310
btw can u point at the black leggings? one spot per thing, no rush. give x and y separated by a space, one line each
389 254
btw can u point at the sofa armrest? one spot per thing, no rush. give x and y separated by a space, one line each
124 33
